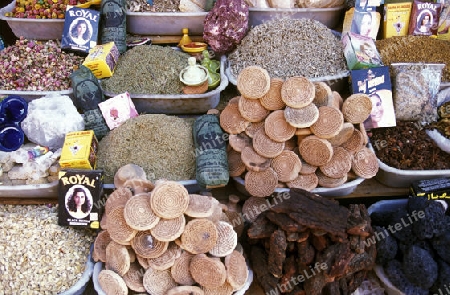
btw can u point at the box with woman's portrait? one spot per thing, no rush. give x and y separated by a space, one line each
79 193
362 22
424 20
376 83
80 31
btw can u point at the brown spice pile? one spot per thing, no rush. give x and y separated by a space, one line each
408 147
416 49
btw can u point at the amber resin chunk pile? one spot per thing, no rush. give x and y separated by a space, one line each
295 133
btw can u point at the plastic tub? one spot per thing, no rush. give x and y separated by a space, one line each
394 177
30 95
191 185
47 190
80 286
99 266
331 17
338 82
179 104
340 191
35 29
165 23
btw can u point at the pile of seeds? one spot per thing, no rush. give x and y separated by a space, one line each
158 6
416 49
162 145
31 65
148 70
290 47
37 256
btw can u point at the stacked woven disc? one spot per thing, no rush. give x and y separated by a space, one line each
295 133
164 240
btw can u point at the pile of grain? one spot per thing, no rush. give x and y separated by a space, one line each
162 145
290 47
416 49
148 69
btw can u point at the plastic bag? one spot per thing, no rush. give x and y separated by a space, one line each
415 86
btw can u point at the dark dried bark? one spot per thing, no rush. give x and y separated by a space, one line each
285 222
306 252
336 257
289 271
315 212
261 227
258 257
319 242
277 253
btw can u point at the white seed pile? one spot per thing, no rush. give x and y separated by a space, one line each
37 256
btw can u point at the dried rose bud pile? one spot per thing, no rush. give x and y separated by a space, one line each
40 9
36 66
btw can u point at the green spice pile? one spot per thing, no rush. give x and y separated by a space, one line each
158 6
148 69
162 145
416 49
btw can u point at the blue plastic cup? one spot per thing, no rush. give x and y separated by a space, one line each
13 109
11 137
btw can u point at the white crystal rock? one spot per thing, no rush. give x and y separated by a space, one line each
49 119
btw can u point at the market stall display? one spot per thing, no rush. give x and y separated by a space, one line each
295 142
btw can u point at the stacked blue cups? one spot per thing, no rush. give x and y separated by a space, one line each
13 110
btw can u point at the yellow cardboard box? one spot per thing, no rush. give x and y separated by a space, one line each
79 150
102 60
396 19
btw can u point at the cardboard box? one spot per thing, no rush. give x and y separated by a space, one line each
80 31
376 83
396 19
79 193
117 110
360 52
102 60
79 150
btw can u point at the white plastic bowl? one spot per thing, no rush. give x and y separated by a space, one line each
340 191
394 177
35 29
99 266
165 23
387 206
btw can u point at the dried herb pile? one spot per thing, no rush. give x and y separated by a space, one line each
290 47
408 147
162 145
148 69
416 49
